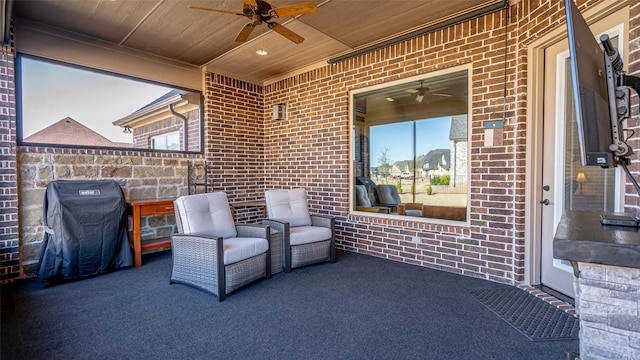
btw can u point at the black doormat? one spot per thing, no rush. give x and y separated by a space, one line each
533 317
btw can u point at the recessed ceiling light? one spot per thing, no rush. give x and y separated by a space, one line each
262 52
390 99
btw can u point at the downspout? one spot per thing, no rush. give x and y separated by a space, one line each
185 126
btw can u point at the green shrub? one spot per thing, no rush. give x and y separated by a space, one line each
440 179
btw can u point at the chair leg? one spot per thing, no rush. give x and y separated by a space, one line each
269 263
287 250
287 259
333 253
222 278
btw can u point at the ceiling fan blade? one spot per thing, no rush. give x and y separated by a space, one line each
294 10
442 94
285 32
215 10
251 3
243 35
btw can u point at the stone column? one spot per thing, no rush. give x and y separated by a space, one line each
608 302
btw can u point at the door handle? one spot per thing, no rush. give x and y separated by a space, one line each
545 202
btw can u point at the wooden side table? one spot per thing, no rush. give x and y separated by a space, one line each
140 208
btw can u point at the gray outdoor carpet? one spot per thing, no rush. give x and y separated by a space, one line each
533 317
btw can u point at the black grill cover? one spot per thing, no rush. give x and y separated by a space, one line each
85 230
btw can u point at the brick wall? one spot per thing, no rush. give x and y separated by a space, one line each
9 239
311 149
234 148
315 153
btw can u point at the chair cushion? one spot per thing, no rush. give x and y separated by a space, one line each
241 248
388 194
288 205
207 213
362 197
308 234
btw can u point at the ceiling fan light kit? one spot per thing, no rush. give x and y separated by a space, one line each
259 12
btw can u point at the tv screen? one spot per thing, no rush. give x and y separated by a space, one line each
590 96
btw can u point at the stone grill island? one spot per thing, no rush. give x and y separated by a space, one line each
606 262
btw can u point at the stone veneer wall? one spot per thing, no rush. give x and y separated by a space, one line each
608 302
142 175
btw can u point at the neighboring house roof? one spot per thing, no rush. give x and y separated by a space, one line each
459 128
439 158
66 128
180 101
404 165
166 96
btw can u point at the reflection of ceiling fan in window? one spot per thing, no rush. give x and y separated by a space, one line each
259 12
423 91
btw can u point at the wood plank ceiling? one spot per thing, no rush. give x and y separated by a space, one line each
169 29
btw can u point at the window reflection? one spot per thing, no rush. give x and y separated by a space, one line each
410 154
66 105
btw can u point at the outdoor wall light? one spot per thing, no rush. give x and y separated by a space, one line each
126 130
280 112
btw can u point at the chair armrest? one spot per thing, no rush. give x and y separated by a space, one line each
392 208
253 230
328 222
279 225
374 209
323 220
257 231
187 248
194 253
196 237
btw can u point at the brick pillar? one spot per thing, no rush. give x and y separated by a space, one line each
9 240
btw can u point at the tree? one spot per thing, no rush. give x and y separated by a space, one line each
384 162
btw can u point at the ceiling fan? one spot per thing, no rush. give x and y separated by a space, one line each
259 12
422 91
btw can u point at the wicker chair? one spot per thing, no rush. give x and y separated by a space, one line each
388 196
363 203
211 252
308 239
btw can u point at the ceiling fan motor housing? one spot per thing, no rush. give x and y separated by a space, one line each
262 12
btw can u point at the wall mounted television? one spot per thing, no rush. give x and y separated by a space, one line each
601 95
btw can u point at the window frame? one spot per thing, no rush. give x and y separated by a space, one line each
20 104
165 136
353 122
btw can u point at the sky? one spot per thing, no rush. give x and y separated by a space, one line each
431 134
52 92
